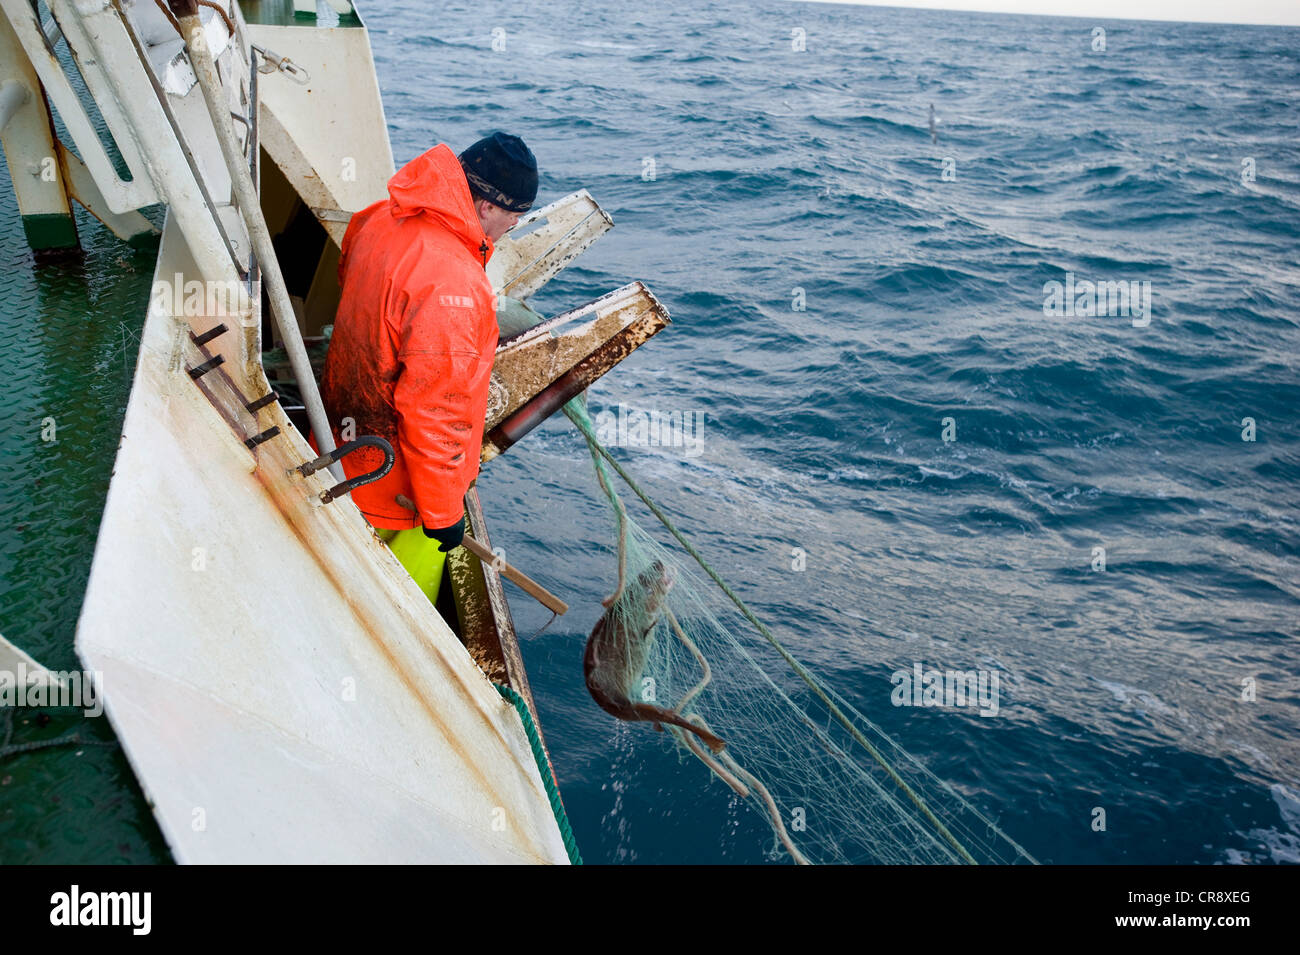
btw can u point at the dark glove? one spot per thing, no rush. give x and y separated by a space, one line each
449 537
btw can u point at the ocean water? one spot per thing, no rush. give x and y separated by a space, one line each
859 316
776 169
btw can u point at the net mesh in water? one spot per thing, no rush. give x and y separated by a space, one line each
831 784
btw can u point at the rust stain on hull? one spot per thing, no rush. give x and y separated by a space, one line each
382 645
273 463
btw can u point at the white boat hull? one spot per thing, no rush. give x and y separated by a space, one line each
285 693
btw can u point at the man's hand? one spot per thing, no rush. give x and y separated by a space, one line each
449 537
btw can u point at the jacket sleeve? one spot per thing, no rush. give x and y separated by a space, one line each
441 398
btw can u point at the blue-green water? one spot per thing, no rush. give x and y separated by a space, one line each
69 335
775 170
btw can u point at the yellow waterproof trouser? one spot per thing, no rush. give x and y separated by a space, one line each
419 555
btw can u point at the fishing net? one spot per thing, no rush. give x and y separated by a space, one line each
831 784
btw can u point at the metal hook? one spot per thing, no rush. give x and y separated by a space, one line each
325 460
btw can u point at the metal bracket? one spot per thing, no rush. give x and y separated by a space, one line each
272 61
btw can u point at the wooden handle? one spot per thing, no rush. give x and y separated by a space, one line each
526 583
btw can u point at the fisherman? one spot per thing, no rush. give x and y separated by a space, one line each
415 336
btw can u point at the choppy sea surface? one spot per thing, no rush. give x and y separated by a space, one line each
777 169
1102 508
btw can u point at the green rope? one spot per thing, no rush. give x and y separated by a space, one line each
544 768
585 427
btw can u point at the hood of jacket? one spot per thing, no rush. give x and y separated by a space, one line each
433 185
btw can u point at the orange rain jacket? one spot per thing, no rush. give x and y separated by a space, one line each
414 340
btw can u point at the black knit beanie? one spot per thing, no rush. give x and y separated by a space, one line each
502 170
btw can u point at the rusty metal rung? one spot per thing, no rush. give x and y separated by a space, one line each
199 371
266 435
209 335
270 398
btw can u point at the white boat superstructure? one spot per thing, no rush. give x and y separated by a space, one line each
282 688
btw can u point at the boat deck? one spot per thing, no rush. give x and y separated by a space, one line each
69 336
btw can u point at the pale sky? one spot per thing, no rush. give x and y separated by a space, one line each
1276 12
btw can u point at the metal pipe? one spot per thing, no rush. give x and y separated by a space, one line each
12 97
205 71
